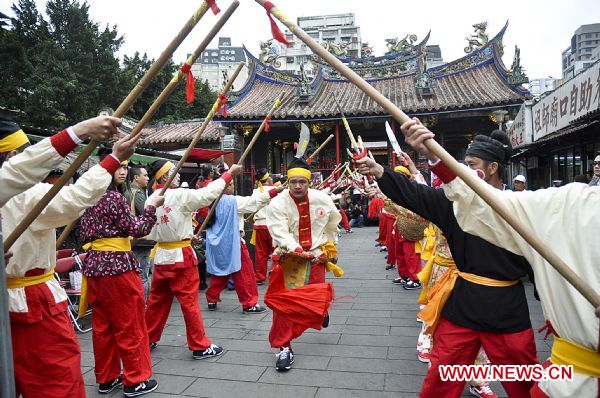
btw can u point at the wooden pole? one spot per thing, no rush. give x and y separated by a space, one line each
240 162
125 105
337 168
471 180
167 91
316 152
218 103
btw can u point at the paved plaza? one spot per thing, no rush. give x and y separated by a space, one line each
369 349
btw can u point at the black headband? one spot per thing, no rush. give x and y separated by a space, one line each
488 149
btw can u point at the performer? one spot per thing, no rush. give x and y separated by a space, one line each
226 252
263 242
115 289
45 349
484 303
303 223
24 166
175 273
547 212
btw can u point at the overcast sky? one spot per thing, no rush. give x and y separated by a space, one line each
541 29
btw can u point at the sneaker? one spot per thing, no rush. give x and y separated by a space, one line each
142 388
212 306
212 351
349 231
412 285
383 249
285 359
389 266
105 388
482 392
260 283
325 321
400 281
255 309
153 345
423 355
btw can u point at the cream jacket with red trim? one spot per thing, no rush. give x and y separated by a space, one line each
564 218
36 247
260 218
33 164
257 202
174 217
283 219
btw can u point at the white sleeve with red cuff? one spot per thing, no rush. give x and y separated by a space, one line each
31 166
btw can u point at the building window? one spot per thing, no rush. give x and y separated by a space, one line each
289 60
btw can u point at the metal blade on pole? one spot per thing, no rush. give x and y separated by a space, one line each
472 181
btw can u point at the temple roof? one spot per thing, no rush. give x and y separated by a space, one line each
177 132
476 80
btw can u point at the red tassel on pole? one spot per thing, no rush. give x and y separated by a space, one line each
267 125
277 34
213 6
190 85
222 104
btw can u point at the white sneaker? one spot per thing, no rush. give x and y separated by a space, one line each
482 392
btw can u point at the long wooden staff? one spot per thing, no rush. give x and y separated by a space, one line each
167 91
240 162
471 180
220 101
125 105
316 152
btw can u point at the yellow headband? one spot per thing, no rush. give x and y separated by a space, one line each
13 141
278 183
403 169
161 172
261 180
125 163
298 172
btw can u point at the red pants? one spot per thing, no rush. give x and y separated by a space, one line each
345 223
118 328
382 221
181 283
457 345
408 262
283 329
244 281
263 249
46 353
390 238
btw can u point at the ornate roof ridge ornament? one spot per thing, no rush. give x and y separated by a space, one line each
479 39
516 73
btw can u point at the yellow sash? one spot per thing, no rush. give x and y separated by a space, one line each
440 292
425 274
24 281
170 245
253 238
109 245
583 359
331 252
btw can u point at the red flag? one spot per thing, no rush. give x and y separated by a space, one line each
277 34
267 125
190 85
222 104
213 6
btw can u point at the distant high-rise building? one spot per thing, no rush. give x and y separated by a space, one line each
538 87
217 64
578 56
434 56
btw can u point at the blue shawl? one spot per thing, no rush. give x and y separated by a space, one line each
223 251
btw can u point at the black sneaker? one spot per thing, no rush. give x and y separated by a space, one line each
105 388
255 309
285 359
153 345
212 306
142 388
212 351
325 321
400 281
412 285
260 283
383 249
389 266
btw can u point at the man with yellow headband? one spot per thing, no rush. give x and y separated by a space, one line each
548 212
303 223
46 353
115 289
22 170
263 242
175 273
480 303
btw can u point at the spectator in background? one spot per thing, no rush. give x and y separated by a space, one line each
137 196
519 183
596 168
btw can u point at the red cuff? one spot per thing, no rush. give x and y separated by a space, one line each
63 143
273 192
110 164
443 172
227 177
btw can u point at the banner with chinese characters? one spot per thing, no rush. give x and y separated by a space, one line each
519 132
574 99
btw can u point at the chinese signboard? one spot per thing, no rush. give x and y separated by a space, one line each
519 132
574 99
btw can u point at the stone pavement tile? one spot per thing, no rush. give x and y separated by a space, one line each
222 333
375 330
229 389
378 307
325 378
367 321
403 383
344 393
236 323
406 331
171 384
363 313
209 369
173 340
406 313
268 359
87 359
86 345
378 292
231 315
348 351
405 367
315 338
402 352
373 300
380 341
